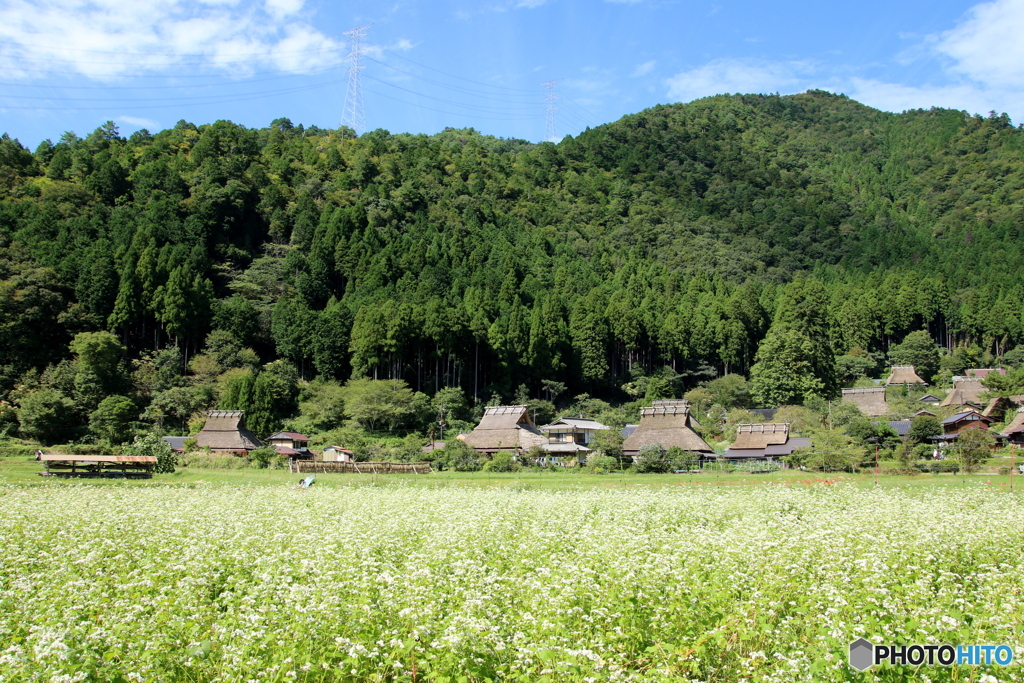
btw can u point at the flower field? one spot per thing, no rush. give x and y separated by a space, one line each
403 583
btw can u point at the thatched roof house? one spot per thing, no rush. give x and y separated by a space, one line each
1015 430
505 428
766 440
666 423
225 431
966 391
903 374
870 400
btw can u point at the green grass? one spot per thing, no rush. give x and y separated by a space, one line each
19 471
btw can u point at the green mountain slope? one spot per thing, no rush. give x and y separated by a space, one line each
461 259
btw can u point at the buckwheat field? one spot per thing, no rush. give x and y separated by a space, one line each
410 583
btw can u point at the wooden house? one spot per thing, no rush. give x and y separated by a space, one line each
870 400
291 444
505 428
225 432
668 424
955 425
930 399
571 434
764 441
903 374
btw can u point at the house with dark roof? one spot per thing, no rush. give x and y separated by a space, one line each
225 432
955 425
764 441
337 454
930 399
505 428
903 374
177 442
668 424
870 400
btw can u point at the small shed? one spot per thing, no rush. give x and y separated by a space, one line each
903 374
225 432
505 428
870 400
667 424
337 454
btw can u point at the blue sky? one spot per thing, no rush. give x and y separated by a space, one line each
70 65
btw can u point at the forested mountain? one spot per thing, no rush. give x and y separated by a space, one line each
457 259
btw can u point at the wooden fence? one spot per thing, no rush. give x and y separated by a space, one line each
328 466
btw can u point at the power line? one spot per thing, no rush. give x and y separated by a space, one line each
353 114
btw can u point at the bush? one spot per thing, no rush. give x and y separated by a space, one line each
501 462
652 458
153 445
599 464
457 456
265 457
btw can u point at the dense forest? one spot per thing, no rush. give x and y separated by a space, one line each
669 244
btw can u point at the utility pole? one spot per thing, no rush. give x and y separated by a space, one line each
353 115
551 98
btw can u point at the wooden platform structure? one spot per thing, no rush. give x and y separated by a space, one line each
328 466
127 466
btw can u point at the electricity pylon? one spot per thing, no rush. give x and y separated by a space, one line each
353 115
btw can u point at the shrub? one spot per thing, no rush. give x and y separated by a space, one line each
153 445
501 462
652 458
264 457
599 464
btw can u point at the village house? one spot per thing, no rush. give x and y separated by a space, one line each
966 393
668 424
291 444
769 441
954 425
569 435
870 400
1015 430
930 399
225 432
903 374
505 428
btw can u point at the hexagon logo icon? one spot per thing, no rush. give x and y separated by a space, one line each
862 654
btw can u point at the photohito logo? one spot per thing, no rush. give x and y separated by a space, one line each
864 654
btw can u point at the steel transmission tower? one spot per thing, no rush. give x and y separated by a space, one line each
353 116
550 111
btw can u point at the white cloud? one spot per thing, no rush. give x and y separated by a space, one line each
107 39
987 46
283 8
136 122
644 69
732 75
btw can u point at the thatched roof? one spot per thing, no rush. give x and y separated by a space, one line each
678 403
870 400
965 390
761 435
1016 426
904 374
666 423
505 428
225 431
